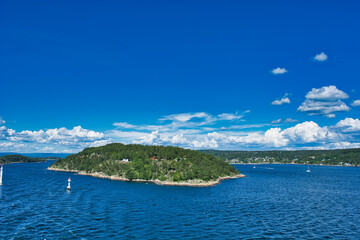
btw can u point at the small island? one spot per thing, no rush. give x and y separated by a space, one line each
17 158
158 164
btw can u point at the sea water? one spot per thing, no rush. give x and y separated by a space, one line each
271 202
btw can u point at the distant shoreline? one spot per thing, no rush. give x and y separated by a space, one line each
300 164
191 183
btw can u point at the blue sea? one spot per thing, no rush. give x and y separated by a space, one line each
272 202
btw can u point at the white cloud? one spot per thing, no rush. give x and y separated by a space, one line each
118 134
309 132
329 93
326 109
282 101
287 120
149 139
302 133
99 143
205 143
271 138
76 137
355 103
177 139
185 117
182 121
278 70
245 126
324 101
344 145
349 125
321 57
124 125
192 131
274 137
229 116
2 121
277 121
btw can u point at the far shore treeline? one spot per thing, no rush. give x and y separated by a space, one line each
17 158
339 157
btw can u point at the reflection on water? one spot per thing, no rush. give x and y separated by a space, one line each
273 201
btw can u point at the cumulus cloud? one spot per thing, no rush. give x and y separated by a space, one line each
275 137
149 139
309 132
305 135
302 133
328 93
326 109
77 137
2 121
178 139
278 70
355 103
344 145
282 101
325 101
321 57
205 143
192 130
349 125
271 138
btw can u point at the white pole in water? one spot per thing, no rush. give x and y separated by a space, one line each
68 186
1 173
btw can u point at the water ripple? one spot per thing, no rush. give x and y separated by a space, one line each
272 202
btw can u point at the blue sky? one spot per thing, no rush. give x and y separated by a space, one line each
196 74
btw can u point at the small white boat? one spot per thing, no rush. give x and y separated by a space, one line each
68 186
308 170
1 173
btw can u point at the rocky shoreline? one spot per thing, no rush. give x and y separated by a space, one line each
191 183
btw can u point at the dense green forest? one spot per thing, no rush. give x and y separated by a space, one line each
16 158
343 157
148 163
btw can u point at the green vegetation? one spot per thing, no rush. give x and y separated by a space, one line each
21 159
343 157
147 163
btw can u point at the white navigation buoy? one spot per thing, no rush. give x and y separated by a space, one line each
68 186
1 173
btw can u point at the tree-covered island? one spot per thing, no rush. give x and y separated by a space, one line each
159 164
16 158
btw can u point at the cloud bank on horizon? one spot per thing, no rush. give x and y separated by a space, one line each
202 130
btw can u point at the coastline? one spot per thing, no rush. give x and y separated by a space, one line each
191 183
300 164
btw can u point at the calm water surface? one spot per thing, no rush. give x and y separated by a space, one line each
272 202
